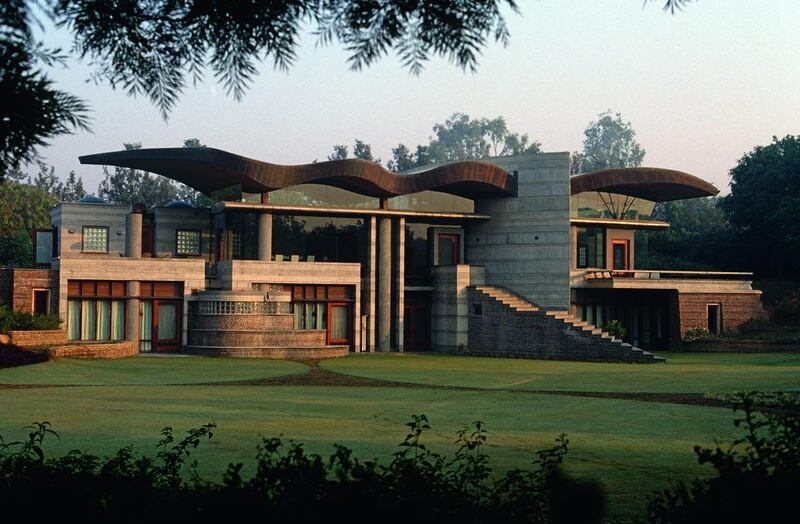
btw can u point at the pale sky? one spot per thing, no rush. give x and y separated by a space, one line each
701 88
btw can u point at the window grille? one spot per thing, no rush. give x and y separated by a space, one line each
187 242
95 239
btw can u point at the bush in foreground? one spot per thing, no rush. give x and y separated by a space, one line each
292 484
16 320
756 476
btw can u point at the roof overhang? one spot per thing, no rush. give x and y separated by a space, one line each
619 224
207 170
650 183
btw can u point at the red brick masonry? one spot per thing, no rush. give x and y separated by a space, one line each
737 308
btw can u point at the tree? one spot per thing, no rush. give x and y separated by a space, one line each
131 187
362 150
402 159
610 142
70 191
339 153
461 138
764 204
23 207
149 47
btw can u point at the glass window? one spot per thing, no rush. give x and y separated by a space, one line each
95 239
89 319
187 242
44 247
591 247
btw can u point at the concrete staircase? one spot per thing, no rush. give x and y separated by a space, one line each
520 325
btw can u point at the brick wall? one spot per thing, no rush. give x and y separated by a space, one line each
240 338
37 338
736 309
497 330
278 353
257 322
17 285
109 350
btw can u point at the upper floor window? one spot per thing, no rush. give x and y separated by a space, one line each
95 239
187 242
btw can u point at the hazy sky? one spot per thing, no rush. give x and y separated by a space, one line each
701 88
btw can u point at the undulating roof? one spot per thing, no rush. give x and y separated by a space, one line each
658 185
207 170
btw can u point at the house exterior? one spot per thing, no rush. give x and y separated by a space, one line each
506 257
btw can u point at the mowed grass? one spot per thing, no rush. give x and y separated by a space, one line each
682 373
632 447
147 370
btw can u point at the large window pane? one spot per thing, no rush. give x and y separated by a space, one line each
88 320
103 320
146 327
117 320
590 247
74 319
167 321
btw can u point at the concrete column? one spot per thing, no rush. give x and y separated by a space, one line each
265 236
400 281
384 284
133 235
368 283
133 311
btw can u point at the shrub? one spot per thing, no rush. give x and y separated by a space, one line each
290 484
756 476
696 333
15 320
614 328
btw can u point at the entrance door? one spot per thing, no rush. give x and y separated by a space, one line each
416 327
339 323
620 254
160 326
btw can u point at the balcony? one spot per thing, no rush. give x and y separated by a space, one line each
683 281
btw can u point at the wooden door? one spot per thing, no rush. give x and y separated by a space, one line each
339 324
416 327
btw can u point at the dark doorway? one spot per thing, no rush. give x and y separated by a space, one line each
416 327
714 319
41 301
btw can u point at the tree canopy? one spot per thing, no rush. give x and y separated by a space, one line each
764 204
609 142
463 138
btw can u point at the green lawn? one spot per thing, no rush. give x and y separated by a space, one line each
632 447
682 373
147 370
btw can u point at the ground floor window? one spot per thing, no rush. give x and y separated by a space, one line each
591 313
96 319
310 315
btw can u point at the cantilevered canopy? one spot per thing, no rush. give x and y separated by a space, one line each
207 170
657 185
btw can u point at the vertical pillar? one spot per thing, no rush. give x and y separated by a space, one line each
369 282
133 311
400 282
265 236
384 284
133 235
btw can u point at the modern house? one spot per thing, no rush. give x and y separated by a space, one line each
506 257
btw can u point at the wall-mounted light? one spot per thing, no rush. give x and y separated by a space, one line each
71 230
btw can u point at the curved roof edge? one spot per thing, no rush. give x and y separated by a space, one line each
207 170
651 183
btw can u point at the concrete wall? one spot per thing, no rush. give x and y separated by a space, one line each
449 315
525 247
168 221
70 219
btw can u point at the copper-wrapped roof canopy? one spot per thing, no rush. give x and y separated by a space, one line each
207 170
657 185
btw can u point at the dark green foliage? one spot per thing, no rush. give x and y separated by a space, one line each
15 320
700 239
23 207
16 250
756 477
290 484
764 205
787 309
614 328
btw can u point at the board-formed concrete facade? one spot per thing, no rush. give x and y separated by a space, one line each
487 257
